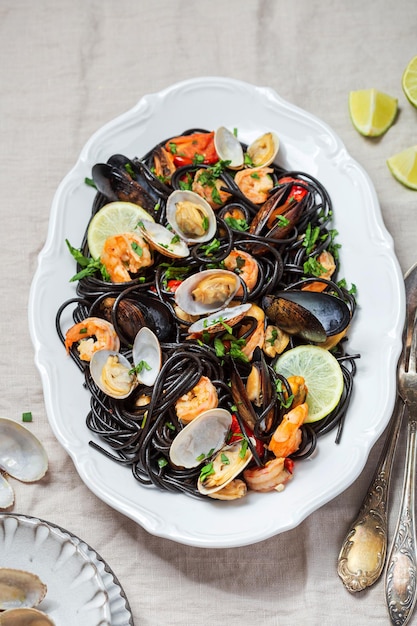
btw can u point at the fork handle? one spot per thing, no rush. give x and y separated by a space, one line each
362 555
400 576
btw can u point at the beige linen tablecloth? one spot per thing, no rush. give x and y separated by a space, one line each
67 68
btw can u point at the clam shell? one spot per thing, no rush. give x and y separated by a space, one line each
204 434
194 306
25 617
22 455
163 240
184 196
19 588
6 493
122 384
228 148
263 150
224 472
214 323
147 349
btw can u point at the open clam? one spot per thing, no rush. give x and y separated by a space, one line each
228 463
263 150
163 240
203 436
117 377
22 455
25 617
111 371
190 216
314 316
19 588
228 148
214 323
207 291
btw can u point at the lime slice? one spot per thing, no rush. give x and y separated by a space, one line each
114 218
372 112
322 374
403 166
409 81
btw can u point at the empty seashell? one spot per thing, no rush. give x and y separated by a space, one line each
22 455
19 588
25 617
6 493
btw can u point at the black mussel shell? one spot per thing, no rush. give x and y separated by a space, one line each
314 316
116 184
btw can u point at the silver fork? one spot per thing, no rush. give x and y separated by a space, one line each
401 572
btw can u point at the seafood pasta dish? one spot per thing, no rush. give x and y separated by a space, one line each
210 320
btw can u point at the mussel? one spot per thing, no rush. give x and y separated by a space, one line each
314 316
116 184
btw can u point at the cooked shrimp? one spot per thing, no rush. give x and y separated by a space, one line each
272 476
93 334
287 437
209 188
245 266
255 183
125 254
328 266
200 398
258 334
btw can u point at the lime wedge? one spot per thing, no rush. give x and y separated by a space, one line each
372 112
112 219
409 81
403 166
322 374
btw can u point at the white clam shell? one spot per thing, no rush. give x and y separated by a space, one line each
19 588
264 149
190 196
213 322
98 362
204 434
225 472
147 349
185 300
163 240
6 493
25 617
22 455
228 147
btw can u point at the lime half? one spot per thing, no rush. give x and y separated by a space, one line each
112 219
322 374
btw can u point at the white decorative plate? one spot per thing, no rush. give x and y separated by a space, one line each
81 588
368 260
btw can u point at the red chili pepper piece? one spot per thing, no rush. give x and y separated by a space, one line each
186 148
297 192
